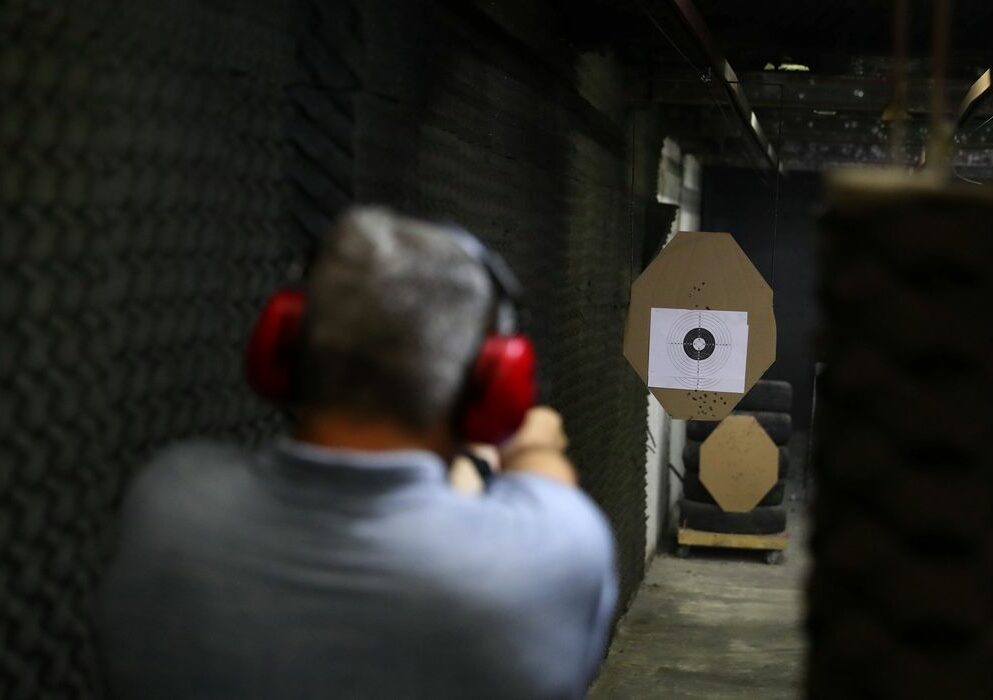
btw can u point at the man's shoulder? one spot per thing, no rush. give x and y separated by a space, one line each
182 473
530 523
194 459
570 510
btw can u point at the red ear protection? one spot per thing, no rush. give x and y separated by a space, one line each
501 385
502 388
272 354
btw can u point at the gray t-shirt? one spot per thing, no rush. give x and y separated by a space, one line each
301 572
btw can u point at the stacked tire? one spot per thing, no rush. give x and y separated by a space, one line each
769 402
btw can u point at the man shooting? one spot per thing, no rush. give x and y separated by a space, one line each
339 562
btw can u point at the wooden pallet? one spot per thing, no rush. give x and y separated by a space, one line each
773 545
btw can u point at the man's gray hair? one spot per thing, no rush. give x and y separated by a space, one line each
396 312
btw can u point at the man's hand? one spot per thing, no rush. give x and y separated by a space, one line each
539 447
463 475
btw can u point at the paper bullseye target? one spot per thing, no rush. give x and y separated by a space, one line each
698 349
700 329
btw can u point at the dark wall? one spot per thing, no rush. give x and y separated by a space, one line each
780 243
168 164
150 201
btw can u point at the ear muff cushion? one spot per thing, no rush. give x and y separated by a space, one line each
273 350
502 388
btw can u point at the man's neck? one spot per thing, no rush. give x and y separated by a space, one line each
341 431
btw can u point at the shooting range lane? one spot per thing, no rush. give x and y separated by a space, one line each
721 625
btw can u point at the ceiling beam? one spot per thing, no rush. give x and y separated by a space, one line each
807 91
697 29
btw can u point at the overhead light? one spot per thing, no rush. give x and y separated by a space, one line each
825 112
788 67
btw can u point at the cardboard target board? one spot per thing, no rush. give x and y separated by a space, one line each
700 328
739 464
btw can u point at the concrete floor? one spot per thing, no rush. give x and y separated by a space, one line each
719 625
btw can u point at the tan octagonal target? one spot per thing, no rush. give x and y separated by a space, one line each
739 464
702 315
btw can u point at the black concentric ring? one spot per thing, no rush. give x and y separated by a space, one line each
709 344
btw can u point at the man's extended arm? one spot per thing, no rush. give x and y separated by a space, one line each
539 448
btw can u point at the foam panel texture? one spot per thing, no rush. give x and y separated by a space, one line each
151 196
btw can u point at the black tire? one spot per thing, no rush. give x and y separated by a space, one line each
779 426
691 459
768 395
694 490
710 518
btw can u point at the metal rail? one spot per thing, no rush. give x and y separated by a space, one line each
729 80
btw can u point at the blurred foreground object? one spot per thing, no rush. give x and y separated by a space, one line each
899 602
